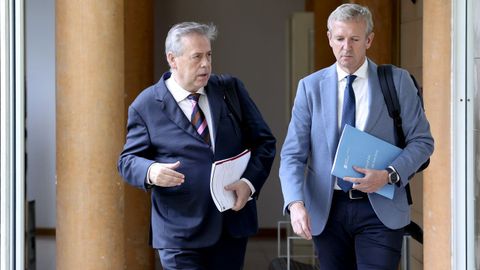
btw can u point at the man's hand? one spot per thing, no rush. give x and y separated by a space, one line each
300 220
164 174
242 191
371 182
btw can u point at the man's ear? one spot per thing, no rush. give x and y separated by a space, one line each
370 39
171 59
329 36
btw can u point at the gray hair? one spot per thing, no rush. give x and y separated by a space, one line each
351 12
173 41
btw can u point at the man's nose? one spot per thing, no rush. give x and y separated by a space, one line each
347 44
205 61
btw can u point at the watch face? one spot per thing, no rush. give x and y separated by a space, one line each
393 177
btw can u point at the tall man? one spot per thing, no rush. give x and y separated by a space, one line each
353 228
176 129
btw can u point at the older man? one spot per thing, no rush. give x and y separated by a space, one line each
176 129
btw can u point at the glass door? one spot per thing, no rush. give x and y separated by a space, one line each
466 135
475 110
12 135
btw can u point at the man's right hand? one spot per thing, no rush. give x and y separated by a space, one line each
164 174
300 220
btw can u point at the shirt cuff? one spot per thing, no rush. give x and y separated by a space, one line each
252 189
148 184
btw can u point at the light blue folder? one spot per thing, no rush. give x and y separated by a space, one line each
358 148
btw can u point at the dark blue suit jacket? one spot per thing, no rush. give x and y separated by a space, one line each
158 131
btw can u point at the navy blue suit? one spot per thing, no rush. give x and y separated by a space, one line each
158 131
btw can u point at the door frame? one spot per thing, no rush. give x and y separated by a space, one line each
12 138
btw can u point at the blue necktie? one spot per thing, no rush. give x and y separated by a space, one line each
348 117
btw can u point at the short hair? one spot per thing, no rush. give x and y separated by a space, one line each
351 12
173 41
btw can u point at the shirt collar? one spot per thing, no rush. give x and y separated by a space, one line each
360 73
177 91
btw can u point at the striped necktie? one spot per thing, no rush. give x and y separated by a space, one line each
198 118
348 117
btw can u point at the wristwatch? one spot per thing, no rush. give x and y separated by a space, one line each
393 176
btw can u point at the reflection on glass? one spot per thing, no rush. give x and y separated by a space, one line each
476 109
476 128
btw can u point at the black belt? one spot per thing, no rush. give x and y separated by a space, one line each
352 194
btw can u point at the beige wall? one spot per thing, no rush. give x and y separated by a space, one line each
411 33
90 84
437 182
104 55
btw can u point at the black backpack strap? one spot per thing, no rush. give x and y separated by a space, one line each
385 76
419 90
231 96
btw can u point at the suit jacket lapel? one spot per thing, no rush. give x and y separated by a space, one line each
215 99
328 97
376 99
169 106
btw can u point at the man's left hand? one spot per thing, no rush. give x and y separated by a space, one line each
242 191
371 182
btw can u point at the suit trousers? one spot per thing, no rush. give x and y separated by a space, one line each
354 237
227 253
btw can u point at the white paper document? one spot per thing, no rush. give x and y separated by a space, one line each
225 172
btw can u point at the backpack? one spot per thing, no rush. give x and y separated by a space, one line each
231 96
385 76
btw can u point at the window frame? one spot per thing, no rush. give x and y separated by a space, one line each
12 135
